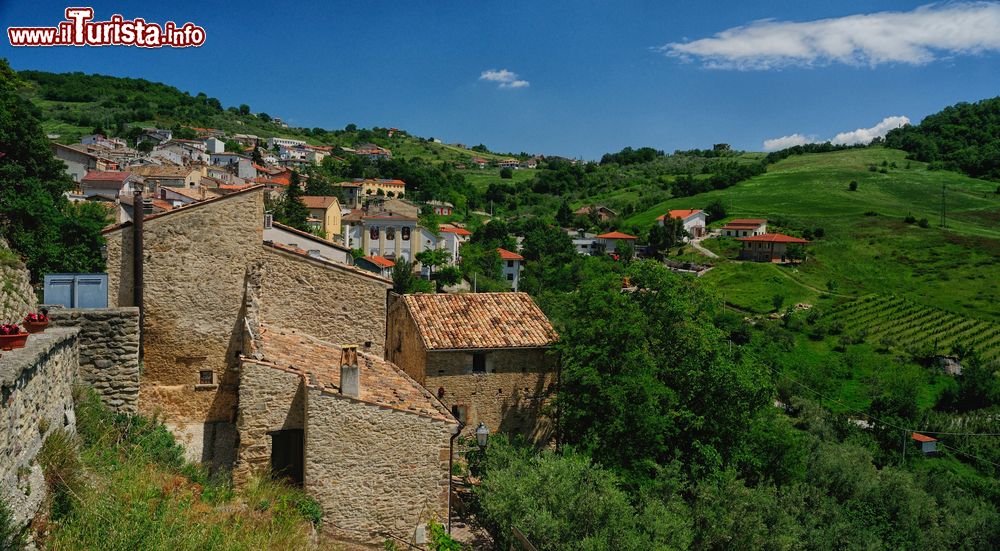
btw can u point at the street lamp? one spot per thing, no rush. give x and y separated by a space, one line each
482 435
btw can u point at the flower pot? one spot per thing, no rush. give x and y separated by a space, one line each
10 342
35 326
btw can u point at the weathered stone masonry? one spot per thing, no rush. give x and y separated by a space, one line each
109 352
35 399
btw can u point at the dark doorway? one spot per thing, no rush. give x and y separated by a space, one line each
478 362
287 456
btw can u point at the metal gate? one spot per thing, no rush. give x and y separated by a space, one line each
76 290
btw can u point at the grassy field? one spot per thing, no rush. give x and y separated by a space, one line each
867 248
483 177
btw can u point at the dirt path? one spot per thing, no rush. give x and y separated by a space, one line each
696 245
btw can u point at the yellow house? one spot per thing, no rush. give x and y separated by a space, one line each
324 214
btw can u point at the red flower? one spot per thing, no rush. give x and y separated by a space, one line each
10 329
36 318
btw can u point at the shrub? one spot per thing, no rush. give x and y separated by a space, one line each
923 223
870 213
910 219
12 538
853 186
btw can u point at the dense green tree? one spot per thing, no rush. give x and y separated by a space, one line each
293 211
506 173
564 216
662 238
715 210
35 217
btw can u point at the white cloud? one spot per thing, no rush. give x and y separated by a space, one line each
859 136
912 37
865 135
504 78
775 144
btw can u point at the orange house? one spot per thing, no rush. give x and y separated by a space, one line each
769 247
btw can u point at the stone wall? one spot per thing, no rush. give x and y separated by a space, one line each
195 262
374 470
35 399
333 302
270 399
512 396
17 297
109 352
403 345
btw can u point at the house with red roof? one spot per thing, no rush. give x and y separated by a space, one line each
510 265
928 444
376 264
694 220
611 240
745 227
769 247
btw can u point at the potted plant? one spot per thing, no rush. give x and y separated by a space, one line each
11 337
36 322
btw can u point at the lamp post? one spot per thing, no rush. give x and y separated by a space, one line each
482 435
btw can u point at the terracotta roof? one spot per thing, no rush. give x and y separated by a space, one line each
747 221
456 231
922 438
111 176
318 361
380 261
682 214
318 201
507 255
479 320
616 235
773 238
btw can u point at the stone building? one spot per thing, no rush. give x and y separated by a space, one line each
486 356
196 261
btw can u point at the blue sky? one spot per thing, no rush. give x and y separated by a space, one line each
597 75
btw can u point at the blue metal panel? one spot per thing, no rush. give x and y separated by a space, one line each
76 290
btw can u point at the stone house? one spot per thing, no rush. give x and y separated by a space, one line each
486 356
196 260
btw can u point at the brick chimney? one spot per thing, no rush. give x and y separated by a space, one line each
350 373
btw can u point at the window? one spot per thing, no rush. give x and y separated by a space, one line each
390 234
479 362
373 233
510 277
461 412
206 378
510 263
406 234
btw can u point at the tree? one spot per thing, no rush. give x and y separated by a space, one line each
795 252
664 237
256 156
506 173
293 211
716 210
35 217
432 258
647 377
564 216
405 282
625 251
853 186
776 301
351 127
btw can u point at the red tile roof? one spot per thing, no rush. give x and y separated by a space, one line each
773 238
380 261
456 231
507 255
747 221
111 176
682 214
922 438
479 320
318 201
616 235
318 361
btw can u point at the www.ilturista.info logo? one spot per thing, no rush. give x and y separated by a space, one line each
79 30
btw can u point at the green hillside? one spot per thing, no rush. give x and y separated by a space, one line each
867 246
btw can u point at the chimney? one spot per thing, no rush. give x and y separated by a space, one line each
350 373
147 206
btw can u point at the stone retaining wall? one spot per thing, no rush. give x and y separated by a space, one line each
35 399
109 352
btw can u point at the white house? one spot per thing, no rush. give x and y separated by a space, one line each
610 241
241 163
313 245
214 145
283 141
694 220
745 227
511 267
